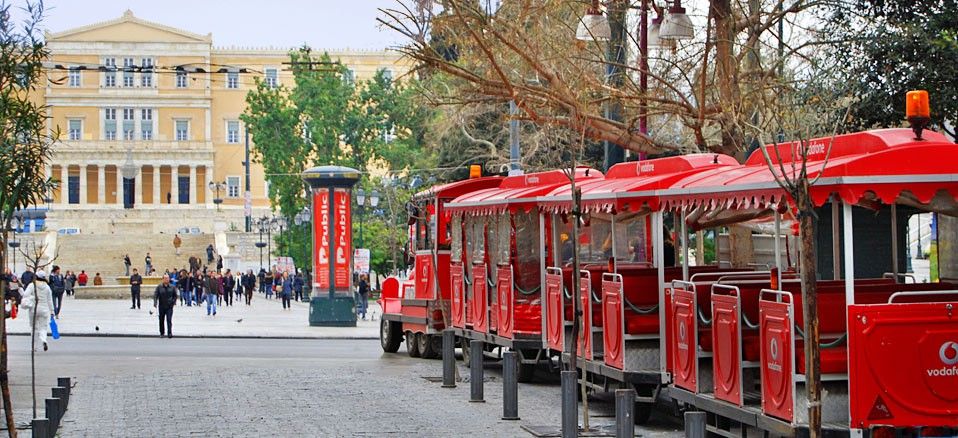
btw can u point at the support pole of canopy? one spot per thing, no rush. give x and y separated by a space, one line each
685 249
659 258
849 254
836 248
894 241
778 248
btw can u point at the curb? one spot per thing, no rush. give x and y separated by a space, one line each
132 335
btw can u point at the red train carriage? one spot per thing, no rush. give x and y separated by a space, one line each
496 264
622 336
888 349
417 309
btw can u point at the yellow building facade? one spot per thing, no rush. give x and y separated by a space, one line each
149 120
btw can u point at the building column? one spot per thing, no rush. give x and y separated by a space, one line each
83 199
208 171
64 184
192 184
119 184
156 185
101 184
138 187
174 184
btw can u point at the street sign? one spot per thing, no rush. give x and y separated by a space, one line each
361 260
285 264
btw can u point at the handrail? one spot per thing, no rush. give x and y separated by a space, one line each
767 266
916 293
738 295
691 286
636 309
779 293
588 275
798 330
523 291
553 270
613 276
904 275
723 273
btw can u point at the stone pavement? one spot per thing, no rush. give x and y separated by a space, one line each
265 318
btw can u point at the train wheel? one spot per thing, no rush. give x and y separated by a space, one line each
465 352
436 341
390 335
412 344
426 345
643 410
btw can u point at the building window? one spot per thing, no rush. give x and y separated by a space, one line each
128 124
232 131
127 72
109 124
74 75
232 79
388 75
272 80
350 76
181 79
146 75
109 78
146 124
232 186
182 130
75 129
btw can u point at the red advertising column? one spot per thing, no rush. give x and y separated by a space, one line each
331 301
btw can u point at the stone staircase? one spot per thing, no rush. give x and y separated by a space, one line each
103 253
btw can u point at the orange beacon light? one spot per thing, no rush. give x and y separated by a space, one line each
917 111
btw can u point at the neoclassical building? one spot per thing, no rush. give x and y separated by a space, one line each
149 117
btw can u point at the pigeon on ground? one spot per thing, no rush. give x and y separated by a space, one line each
239 320
97 328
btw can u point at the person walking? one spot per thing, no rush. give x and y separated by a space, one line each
126 264
26 277
261 277
185 285
149 263
249 282
210 289
37 301
298 286
71 281
268 277
164 298
58 287
209 254
198 283
219 263
228 284
286 290
82 278
176 243
363 295
135 281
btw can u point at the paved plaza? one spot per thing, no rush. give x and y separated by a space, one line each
260 387
264 318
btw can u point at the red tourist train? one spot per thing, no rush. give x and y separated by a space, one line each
496 253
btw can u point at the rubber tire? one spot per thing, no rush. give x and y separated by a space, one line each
465 352
412 344
390 335
426 346
642 410
437 345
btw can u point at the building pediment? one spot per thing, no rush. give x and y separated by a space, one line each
128 28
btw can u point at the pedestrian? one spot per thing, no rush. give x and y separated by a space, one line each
97 280
210 289
71 281
126 264
286 290
363 295
26 277
176 243
238 285
209 254
164 298
219 263
135 281
185 285
298 286
261 277
82 278
38 303
13 287
249 283
228 284
198 283
149 263
58 287
269 285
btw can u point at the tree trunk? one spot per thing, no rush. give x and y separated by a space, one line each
4 372
810 310
740 245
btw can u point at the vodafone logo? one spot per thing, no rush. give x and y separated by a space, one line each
774 364
948 353
773 348
683 344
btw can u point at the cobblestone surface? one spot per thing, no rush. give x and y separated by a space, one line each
216 387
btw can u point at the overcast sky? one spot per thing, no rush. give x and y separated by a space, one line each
333 24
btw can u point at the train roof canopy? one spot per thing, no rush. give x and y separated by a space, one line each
515 192
458 188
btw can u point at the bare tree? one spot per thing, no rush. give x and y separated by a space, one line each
36 259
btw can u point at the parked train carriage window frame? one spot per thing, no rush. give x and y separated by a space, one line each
455 237
492 249
631 237
526 273
596 239
561 249
424 224
504 239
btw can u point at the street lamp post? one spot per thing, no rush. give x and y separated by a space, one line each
216 187
14 244
361 199
260 244
279 224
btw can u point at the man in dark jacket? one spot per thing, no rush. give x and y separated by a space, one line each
298 286
228 284
209 254
57 286
135 281
164 298
26 278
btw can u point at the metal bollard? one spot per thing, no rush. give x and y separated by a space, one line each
624 413
40 428
570 414
510 386
448 359
695 425
475 372
62 394
65 382
53 413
